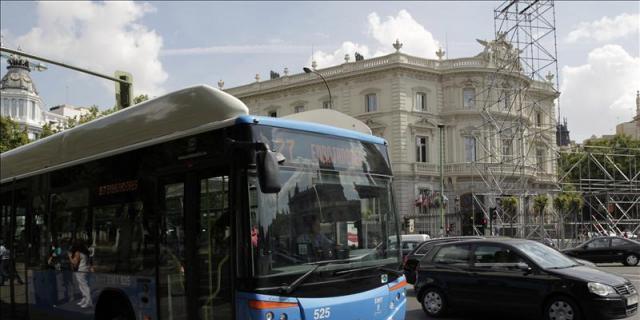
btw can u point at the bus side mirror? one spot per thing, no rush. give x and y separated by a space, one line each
268 171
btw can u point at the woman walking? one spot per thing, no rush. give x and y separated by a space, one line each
79 258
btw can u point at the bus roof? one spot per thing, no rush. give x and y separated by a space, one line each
188 111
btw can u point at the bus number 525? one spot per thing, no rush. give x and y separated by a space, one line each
321 313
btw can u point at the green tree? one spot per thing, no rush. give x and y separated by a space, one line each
47 130
94 113
539 204
567 203
140 98
509 208
579 165
11 134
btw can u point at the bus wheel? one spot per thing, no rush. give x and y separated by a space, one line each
114 306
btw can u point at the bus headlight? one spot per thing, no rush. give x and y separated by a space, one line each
283 316
269 315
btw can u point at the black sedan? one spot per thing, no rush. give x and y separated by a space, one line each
411 260
522 277
608 249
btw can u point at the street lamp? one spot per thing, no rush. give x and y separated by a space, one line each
307 70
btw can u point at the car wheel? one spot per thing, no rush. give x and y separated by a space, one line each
561 308
630 260
433 302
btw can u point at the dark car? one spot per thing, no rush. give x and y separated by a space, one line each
608 249
412 259
519 276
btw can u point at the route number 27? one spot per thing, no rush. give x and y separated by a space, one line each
321 313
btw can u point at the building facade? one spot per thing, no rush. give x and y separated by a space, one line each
631 128
19 99
407 100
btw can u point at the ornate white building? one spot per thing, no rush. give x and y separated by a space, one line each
405 98
19 99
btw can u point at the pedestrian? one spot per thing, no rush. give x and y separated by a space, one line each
4 262
7 266
79 258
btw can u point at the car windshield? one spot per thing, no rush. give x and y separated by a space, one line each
545 257
335 218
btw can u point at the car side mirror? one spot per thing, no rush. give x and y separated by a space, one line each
268 171
524 267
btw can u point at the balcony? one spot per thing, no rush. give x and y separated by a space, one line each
476 169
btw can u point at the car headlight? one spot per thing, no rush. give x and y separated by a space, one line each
600 289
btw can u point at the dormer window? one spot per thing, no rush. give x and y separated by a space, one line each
326 104
298 109
273 114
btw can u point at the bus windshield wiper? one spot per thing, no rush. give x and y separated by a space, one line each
380 268
289 288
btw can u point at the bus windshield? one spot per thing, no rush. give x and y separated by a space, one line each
342 219
335 207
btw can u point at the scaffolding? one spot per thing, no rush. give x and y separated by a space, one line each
608 178
515 146
515 150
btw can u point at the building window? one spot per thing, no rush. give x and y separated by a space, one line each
540 158
298 109
326 104
469 96
507 150
539 119
421 101
507 100
5 107
14 108
22 109
422 149
273 114
34 115
469 149
371 102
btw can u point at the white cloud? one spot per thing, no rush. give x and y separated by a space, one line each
104 37
416 40
598 95
326 59
606 28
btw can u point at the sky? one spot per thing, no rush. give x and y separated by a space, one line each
170 45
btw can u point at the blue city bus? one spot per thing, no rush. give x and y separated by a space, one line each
187 207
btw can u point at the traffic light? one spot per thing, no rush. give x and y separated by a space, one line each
124 91
493 213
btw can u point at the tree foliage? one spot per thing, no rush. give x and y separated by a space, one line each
567 202
94 113
11 134
583 164
140 98
509 206
540 203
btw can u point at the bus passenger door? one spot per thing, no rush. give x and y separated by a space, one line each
195 243
214 249
172 294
